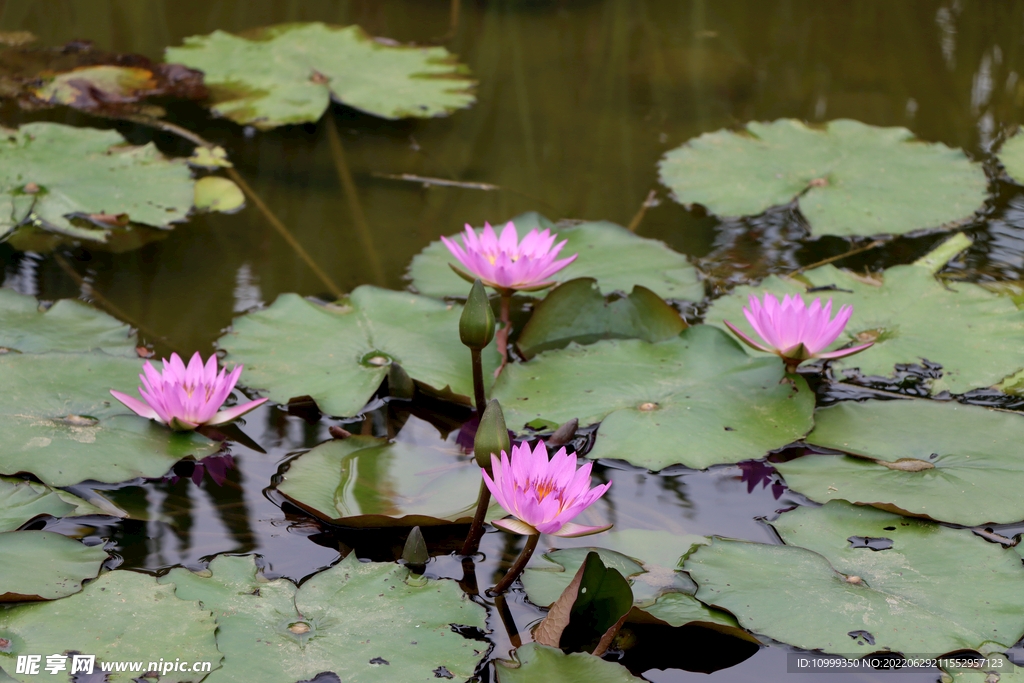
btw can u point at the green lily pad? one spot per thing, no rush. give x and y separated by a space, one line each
60 422
213 193
1011 156
848 178
56 565
366 622
838 594
659 591
339 354
946 461
22 501
122 616
289 74
362 481
696 399
615 257
974 334
541 663
68 325
576 311
52 172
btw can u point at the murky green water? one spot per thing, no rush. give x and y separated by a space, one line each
577 101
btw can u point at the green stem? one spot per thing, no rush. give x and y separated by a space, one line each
478 381
518 566
477 529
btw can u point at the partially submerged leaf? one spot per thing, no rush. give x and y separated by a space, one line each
67 325
213 193
289 73
57 565
22 500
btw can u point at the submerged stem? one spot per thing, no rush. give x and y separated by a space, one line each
477 529
518 566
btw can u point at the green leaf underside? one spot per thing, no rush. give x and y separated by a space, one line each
909 316
68 325
659 591
87 171
576 311
615 257
22 501
353 614
121 616
696 399
363 481
910 598
856 179
298 348
289 73
541 663
1011 156
58 565
977 456
61 424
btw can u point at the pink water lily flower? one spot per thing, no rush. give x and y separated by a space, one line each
186 397
505 263
795 331
543 495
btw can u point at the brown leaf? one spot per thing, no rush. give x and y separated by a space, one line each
549 632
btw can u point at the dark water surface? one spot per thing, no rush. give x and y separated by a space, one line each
577 101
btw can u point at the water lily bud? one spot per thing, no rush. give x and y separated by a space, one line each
415 551
476 326
491 436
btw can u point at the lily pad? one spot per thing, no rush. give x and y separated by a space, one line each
660 593
60 423
541 663
946 461
213 193
615 257
51 173
848 178
576 311
339 354
289 74
696 399
1011 156
364 621
841 594
974 334
122 616
68 325
361 481
58 565
22 501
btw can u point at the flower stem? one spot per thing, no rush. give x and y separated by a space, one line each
506 327
477 529
478 381
518 566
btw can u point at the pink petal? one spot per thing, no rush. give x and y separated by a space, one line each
135 405
515 526
745 339
571 530
230 414
844 352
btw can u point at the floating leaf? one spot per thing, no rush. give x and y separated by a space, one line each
122 616
976 336
213 193
847 178
576 311
842 596
339 354
68 325
51 173
540 663
209 157
975 457
60 423
22 501
696 399
362 481
1011 156
364 621
289 73
615 257
58 565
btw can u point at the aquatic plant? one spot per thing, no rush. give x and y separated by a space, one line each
186 397
795 331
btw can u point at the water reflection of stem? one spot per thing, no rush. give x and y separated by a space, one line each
858 250
478 380
508 620
468 583
502 334
358 217
517 567
196 139
477 529
104 302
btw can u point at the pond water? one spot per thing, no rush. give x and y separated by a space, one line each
577 101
